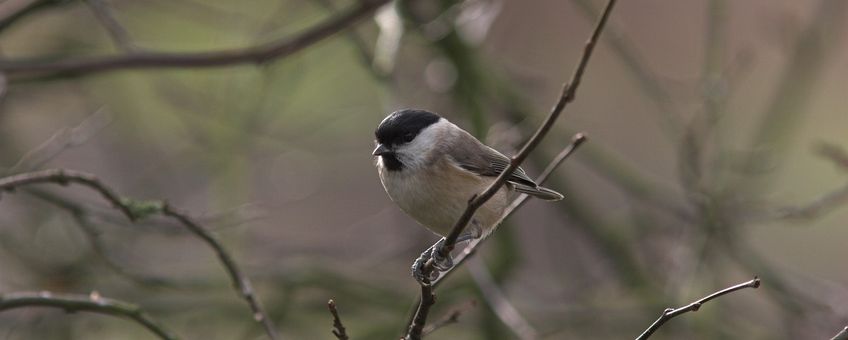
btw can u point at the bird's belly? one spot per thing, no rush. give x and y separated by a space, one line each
437 202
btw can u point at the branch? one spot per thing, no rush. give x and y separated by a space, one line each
338 328
135 210
843 335
142 60
89 303
499 303
451 317
569 92
119 35
670 313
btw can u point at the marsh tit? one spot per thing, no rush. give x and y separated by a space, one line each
431 168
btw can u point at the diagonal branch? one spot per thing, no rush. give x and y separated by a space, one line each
259 54
843 335
135 210
89 303
569 92
670 313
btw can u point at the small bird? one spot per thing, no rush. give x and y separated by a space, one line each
430 168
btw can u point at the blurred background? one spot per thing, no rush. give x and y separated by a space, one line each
717 152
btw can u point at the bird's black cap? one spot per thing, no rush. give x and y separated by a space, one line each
403 125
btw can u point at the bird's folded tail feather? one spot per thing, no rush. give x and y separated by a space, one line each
539 192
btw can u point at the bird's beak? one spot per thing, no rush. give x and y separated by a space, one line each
381 150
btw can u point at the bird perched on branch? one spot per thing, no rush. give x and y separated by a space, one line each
431 168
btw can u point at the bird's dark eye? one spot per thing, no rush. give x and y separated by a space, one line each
408 137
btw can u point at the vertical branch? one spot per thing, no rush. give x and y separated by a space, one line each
338 328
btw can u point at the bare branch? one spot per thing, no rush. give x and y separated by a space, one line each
259 54
499 303
338 328
117 32
843 335
89 303
451 317
670 313
63 177
569 92
135 210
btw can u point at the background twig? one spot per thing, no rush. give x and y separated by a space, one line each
89 303
135 210
256 54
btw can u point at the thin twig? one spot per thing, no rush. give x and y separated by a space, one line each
338 328
569 92
136 210
451 318
89 303
843 335
63 177
259 54
117 32
670 313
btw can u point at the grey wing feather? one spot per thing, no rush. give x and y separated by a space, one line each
485 161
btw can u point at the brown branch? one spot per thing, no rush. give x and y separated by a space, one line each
451 317
499 303
338 328
569 92
64 177
670 313
117 32
843 335
141 60
136 210
89 303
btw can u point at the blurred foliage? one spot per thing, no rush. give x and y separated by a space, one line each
701 117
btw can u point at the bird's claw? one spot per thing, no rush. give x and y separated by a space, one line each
442 262
418 268
442 259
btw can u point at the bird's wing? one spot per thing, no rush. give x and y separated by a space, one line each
485 161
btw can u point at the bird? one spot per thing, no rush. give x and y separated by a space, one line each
431 168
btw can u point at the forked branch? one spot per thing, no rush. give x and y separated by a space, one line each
135 210
569 92
670 313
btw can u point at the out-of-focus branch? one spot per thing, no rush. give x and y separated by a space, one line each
451 317
569 92
499 303
64 177
134 210
670 313
338 328
89 303
117 32
843 335
15 69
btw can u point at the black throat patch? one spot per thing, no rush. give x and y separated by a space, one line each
399 128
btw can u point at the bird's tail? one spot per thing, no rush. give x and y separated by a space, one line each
539 192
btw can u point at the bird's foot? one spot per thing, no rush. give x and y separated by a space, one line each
418 268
